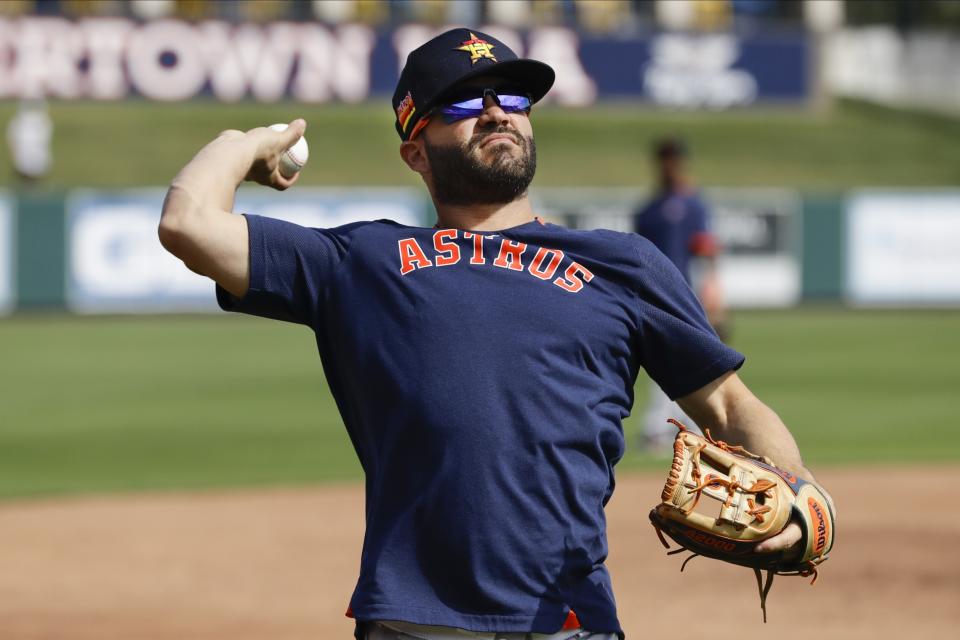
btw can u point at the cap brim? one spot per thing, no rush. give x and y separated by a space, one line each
533 76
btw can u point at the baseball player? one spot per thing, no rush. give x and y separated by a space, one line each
482 367
677 221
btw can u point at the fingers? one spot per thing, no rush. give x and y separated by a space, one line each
281 184
293 132
289 137
280 140
787 538
269 145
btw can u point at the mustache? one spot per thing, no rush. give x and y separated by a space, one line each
478 139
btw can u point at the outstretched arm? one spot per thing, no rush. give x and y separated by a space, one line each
197 224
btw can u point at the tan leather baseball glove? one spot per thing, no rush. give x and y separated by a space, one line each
721 501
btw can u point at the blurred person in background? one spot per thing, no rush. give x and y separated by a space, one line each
29 134
677 221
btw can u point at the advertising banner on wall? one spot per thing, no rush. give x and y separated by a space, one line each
7 255
759 230
117 265
171 60
902 248
761 233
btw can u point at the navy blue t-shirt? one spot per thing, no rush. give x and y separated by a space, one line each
483 378
678 225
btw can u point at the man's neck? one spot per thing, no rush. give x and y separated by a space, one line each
485 217
676 185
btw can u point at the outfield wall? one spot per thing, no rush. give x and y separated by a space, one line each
760 230
7 255
116 264
96 251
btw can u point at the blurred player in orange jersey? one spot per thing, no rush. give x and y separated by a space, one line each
677 221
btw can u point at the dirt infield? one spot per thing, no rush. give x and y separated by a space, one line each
281 565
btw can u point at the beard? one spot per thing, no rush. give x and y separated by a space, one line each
462 177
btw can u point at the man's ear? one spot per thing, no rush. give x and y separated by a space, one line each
415 156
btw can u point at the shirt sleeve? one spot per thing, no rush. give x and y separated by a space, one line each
678 347
290 267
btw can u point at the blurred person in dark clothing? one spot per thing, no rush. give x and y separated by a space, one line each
677 221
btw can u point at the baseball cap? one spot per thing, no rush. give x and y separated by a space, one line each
439 65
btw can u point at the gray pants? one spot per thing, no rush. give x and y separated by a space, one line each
391 630
658 434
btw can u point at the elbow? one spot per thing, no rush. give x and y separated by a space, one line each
169 233
173 235
173 230
176 238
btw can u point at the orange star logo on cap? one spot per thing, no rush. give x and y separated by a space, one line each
477 48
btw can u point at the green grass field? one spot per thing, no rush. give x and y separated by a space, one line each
125 404
156 403
137 143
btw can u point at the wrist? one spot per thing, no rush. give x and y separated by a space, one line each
213 175
236 155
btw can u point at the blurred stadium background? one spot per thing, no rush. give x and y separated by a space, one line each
825 134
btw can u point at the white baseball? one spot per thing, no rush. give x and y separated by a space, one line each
293 158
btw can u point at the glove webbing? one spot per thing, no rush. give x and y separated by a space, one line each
758 487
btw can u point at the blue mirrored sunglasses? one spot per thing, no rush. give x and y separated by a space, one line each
470 105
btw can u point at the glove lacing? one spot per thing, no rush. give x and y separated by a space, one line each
756 510
759 487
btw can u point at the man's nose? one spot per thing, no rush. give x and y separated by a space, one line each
492 113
